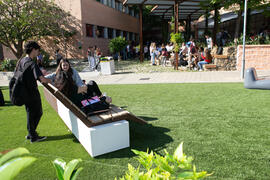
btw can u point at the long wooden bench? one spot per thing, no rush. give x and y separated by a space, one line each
100 133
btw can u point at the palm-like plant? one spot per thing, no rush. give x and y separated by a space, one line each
13 162
66 171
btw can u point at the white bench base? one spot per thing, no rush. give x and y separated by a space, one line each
96 140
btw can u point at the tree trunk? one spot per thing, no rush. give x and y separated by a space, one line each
1 52
237 26
119 57
215 30
248 30
206 22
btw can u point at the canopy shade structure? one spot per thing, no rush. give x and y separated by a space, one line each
188 9
179 9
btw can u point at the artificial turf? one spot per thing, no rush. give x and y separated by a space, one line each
225 127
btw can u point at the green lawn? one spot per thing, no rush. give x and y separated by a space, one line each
225 127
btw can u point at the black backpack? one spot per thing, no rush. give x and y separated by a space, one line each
2 101
17 89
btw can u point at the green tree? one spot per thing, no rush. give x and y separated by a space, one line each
252 4
117 44
22 20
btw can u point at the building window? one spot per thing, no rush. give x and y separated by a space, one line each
117 5
118 33
125 34
109 3
110 33
89 30
100 32
130 35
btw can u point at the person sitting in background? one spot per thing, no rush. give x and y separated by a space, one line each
164 54
206 59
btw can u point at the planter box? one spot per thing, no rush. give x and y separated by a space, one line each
107 67
99 134
96 140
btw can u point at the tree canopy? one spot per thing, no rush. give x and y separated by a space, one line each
22 20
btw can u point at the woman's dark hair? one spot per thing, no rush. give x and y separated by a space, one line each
64 83
29 46
59 67
201 49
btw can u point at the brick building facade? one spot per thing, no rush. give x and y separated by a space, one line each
96 22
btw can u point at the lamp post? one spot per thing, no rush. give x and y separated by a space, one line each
244 42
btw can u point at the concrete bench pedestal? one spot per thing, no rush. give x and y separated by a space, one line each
97 140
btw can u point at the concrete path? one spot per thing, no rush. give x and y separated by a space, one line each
164 77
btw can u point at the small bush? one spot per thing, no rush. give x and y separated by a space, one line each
176 166
117 44
177 40
8 65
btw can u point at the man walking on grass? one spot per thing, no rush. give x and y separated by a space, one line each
31 75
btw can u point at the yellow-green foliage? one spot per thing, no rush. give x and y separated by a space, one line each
176 166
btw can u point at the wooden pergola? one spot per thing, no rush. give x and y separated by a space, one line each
181 10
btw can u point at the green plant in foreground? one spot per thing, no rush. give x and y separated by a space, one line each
13 162
176 166
66 171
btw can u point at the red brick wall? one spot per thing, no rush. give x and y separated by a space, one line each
257 56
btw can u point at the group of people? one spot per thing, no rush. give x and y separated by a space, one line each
159 54
93 56
189 54
66 79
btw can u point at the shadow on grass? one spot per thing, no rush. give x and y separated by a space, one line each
3 87
141 138
8 103
60 137
148 118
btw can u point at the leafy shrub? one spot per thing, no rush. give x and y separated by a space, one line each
13 162
176 166
177 40
8 65
117 44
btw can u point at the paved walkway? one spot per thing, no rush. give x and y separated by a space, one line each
162 77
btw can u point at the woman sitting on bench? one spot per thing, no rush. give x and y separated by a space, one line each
206 59
82 96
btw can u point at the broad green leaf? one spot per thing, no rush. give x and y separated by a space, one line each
178 153
75 173
70 168
185 175
12 168
59 165
12 154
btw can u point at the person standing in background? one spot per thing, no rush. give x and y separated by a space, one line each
91 59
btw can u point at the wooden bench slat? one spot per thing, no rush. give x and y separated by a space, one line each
220 56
